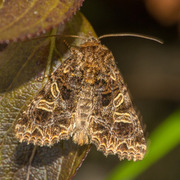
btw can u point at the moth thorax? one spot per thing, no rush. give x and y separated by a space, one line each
89 76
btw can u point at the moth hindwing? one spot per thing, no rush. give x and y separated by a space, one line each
86 99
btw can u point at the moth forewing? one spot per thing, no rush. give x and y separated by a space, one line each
86 99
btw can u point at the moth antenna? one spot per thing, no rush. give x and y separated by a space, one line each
132 35
57 35
72 36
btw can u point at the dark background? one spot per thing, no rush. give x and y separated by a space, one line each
151 71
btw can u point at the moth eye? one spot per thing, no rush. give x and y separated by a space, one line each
66 93
106 99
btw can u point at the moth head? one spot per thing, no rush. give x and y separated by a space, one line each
91 41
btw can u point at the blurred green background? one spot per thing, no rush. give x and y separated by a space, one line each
152 73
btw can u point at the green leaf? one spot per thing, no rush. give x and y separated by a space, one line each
26 18
162 140
20 64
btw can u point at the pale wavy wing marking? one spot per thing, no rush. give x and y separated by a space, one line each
55 90
118 100
46 105
119 117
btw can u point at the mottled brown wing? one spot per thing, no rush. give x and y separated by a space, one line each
47 119
115 127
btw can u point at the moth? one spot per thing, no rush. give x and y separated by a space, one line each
86 99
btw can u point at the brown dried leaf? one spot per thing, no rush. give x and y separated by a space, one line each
20 19
20 64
